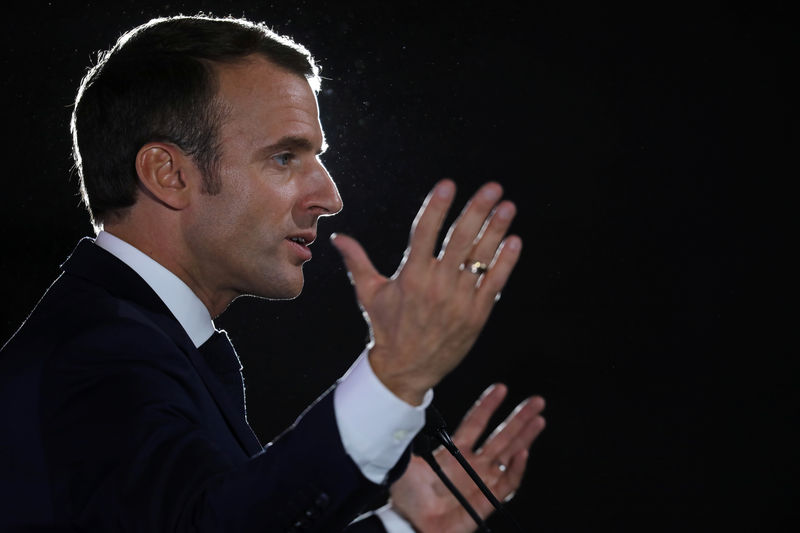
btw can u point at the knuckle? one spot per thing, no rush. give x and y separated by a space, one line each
439 293
412 285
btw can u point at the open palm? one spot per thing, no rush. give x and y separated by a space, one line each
421 498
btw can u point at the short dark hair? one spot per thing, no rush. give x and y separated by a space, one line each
158 83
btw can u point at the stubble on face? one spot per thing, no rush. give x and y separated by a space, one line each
239 236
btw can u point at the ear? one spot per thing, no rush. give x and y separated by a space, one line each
162 170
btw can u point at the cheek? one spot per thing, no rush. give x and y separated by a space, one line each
281 199
255 201
231 207
273 202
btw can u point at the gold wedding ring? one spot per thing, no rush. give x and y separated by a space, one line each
476 267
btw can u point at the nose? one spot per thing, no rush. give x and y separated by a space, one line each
323 198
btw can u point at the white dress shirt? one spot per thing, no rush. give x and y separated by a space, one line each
375 425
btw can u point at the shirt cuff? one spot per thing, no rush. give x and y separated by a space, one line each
375 425
392 522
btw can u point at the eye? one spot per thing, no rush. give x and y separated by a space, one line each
284 158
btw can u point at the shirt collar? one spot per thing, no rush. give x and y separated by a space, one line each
184 304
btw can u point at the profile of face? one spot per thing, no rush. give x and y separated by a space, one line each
253 236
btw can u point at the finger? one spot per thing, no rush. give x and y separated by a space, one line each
523 441
461 236
360 270
502 486
474 422
516 432
508 483
427 225
523 415
496 277
490 239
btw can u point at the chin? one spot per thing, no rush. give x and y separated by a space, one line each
289 290
290 295
285 285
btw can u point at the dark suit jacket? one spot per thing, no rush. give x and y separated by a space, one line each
111 420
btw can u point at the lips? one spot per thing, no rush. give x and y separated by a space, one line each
303 239
300 243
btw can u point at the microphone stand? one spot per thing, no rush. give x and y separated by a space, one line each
436 427
423 446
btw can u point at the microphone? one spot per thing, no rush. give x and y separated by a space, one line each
436 428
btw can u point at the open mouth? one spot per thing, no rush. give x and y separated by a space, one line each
301 245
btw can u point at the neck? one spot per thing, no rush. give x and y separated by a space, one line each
159 243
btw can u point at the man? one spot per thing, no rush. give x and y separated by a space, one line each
197 141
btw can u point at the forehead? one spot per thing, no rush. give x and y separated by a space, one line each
259 95
255 76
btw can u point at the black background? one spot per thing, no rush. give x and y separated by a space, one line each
651 153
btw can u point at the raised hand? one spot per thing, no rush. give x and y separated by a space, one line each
425 318
421 498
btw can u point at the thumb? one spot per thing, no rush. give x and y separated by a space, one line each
359 267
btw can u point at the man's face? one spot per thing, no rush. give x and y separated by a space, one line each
252 237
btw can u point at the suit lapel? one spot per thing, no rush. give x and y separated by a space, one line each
90 262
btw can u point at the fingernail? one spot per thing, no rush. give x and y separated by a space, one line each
491 193
333 236
505 211
514 244
444 190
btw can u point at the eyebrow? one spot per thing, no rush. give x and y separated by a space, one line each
291 142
